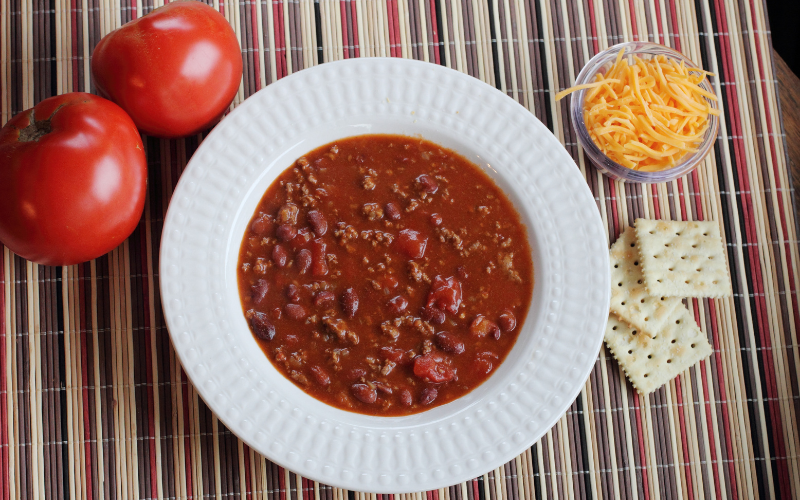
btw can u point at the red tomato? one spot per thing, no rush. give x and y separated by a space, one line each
73 179
175 70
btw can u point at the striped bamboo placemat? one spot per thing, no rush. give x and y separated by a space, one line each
94 404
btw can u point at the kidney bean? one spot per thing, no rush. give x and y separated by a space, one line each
261 225
262 326
426 184
259 291
279 255
285 232
406 399
303 260
350 302
507 321
449 343
392 211
364 393
318 222
324 299
397 304
428 395
320 376
481 327
292 292
319 262
295 311
432 315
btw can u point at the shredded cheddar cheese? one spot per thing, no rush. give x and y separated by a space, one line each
646 115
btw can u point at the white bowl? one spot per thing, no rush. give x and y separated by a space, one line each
216 197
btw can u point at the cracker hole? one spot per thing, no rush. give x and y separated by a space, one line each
698 269
673 341
614 328
692 346
620 284
636 263
647 319
652 232
713 282
623 303
687 281
694 246
639 282
671 268
669 361
616 266
705 234
683 257
630 352
649 356
633 245
677 234
710 257
659 281
642 301
678 322
646 374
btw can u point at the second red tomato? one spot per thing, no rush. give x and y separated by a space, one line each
174 71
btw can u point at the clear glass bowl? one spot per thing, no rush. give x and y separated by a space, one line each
601 63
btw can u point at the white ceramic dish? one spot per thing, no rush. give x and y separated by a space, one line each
218 193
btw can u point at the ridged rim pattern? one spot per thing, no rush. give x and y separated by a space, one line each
226 177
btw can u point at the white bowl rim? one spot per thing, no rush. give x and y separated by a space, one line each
465 438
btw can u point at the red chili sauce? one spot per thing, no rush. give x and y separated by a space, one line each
385 274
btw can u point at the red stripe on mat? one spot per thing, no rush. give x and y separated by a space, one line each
435 31
392 15
354 17
343 13
280 40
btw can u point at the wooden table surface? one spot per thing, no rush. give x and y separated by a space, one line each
789 85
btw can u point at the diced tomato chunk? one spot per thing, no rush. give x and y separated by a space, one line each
445 294
433 367
411 244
